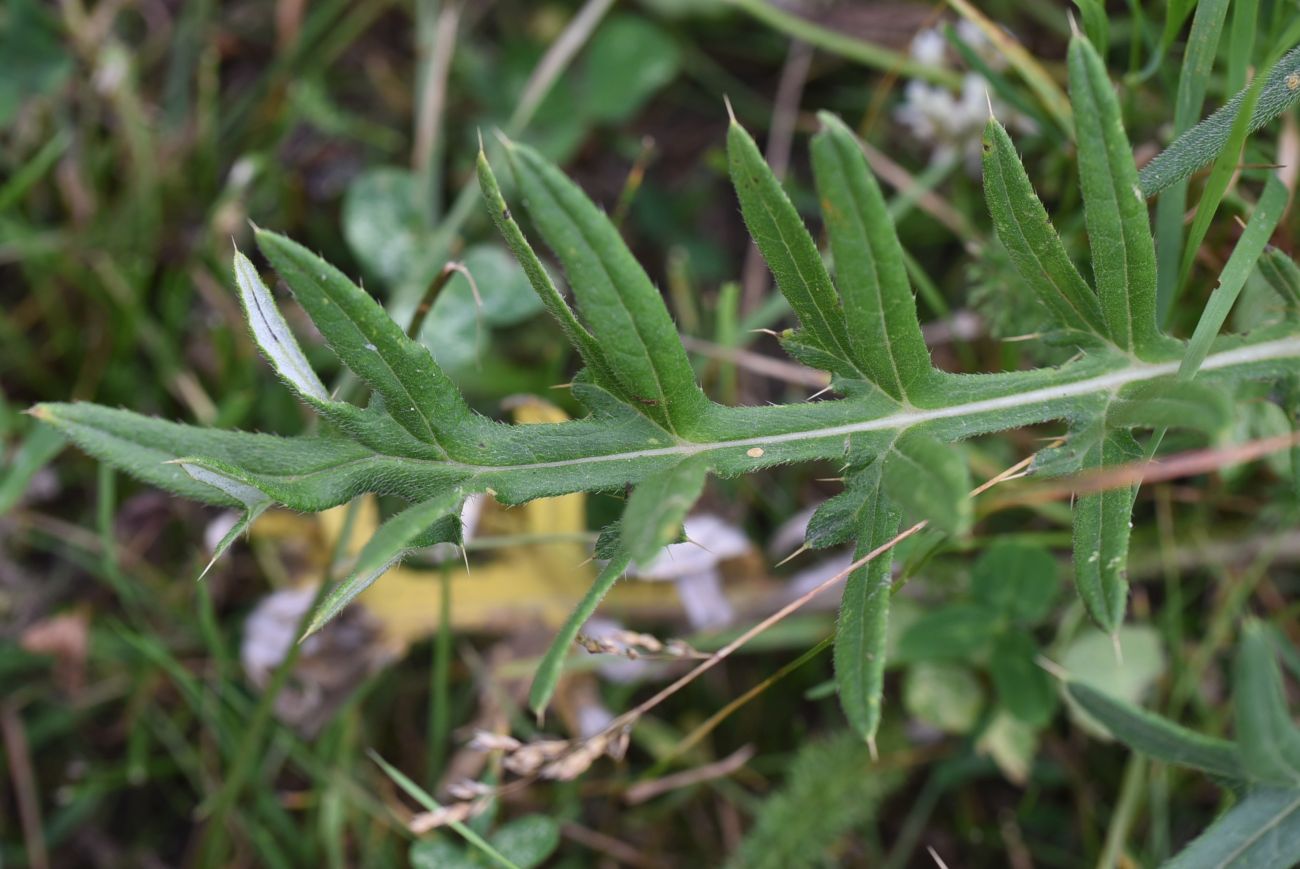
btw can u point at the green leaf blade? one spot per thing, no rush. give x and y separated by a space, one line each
787 247
929 479
879 309
859 651
1027 234
624 312
387 547
1102 523
1123 252
1269 739
1260 832
415 390
1156 736
1205 141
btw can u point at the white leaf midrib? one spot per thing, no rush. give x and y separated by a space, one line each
1108 382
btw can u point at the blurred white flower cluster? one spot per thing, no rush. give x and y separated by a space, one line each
951 122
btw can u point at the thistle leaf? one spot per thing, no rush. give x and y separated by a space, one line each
1027 234
652 520
1115 211
860 635
928 478
581 339
1171 403
654 513
1269 739
1156 736
1101 534
551 667
879 309
376 430
147 448
254 500
786 245
624 311
389 545
1203 142
272 333
1260 832
415 391
1263 220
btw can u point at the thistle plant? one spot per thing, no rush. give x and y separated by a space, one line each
652 428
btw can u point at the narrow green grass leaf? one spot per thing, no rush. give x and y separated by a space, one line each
1283 275
387 547
415 390
1269 738
421 796
1027 234
42 443
1156 736
1260 832
1095 23
1102 522
1198 61
860 630
1221 175
928 479
1241 42
1205 141
621 307
879 309
1268 211
786 245
1123 253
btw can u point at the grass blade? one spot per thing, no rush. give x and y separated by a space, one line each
1198 62
421 796
1268 211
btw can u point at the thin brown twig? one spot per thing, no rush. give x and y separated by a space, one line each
433 93
24 784
648 790
557 57
1185 464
